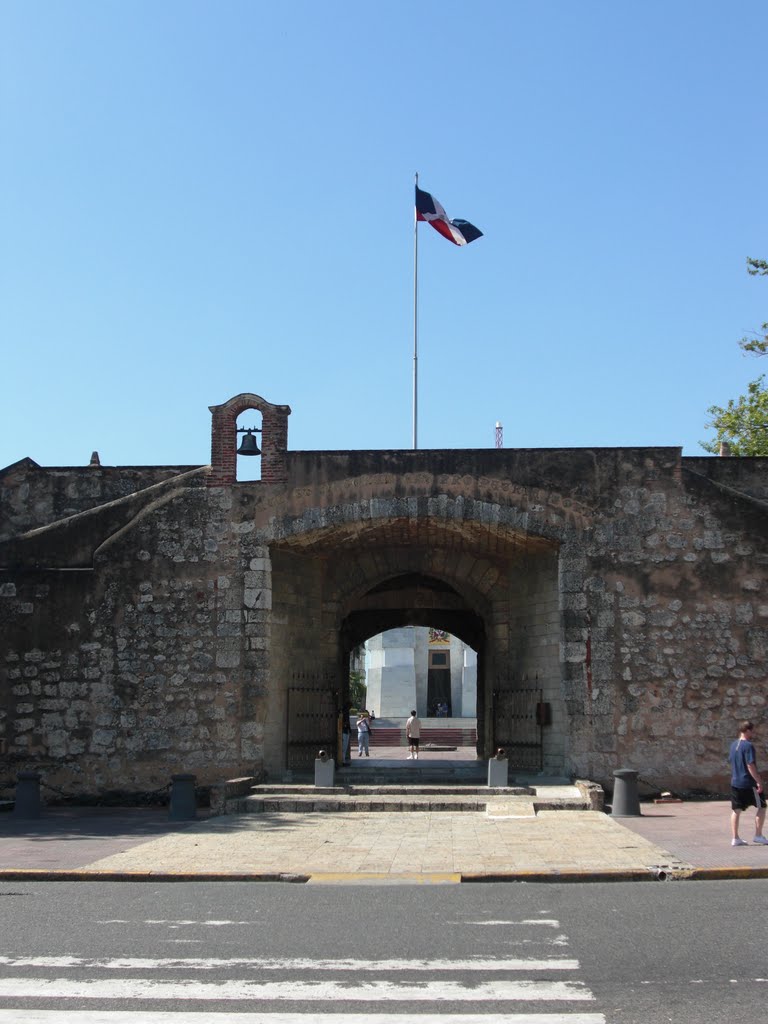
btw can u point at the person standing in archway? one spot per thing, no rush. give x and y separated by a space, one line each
363 734
345 731
413 735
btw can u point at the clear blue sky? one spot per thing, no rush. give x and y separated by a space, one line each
201 199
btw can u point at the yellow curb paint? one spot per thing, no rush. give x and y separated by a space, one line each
385 877
711 874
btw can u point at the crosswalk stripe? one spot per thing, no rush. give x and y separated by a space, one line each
290 964
205 1017
239 989
185 1017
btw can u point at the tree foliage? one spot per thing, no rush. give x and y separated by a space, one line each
743 423
757 344
357 689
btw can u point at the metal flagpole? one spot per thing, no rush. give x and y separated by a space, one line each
415 321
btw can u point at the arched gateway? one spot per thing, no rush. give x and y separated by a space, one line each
169 618
454 565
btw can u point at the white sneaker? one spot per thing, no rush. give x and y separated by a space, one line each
760 840
738 842
409 757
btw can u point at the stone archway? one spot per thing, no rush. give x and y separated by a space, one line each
498 589
415 599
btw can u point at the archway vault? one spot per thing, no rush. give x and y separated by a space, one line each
413 599
337 586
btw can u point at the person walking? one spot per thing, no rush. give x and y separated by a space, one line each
413 734
746 785
345 731
363 734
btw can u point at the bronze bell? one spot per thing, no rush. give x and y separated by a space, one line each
248 445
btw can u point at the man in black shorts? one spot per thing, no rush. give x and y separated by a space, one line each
412 733
746 785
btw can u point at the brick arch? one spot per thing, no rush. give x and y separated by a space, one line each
273 442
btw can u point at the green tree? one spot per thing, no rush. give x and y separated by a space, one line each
743 423
357 689
757 344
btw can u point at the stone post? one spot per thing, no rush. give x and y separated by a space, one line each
324 769
498 769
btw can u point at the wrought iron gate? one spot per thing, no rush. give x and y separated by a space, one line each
311 721
518 716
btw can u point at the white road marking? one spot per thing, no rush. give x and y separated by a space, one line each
289 964
188 922
207 1017
298 991
549 922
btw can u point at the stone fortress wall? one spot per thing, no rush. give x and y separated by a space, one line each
154 620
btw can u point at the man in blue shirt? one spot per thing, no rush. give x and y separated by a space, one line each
746 785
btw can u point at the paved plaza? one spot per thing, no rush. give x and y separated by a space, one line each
677 840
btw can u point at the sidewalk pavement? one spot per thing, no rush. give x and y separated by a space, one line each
688 840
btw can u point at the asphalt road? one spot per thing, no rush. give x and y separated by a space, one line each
613 953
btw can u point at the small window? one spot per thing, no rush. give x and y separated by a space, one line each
438 659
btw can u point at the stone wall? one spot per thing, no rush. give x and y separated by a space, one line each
31 496
159 630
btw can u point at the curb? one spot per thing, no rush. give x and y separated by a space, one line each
555 875
383 878
85 875
650 874
713 874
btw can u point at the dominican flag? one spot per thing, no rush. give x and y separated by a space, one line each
460 232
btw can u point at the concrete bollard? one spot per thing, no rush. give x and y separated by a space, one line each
183 806
27 804
498 769
324 769
626 802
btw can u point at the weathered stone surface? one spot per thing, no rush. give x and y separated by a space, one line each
152 625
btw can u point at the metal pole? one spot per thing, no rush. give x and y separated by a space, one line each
415 321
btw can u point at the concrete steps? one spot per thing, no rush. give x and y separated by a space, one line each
509 801
394 736
422 773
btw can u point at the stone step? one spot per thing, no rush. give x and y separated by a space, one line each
511 801
394 736
426 780
421 771
307 789
292 803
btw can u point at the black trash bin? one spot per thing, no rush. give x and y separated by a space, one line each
626 802
183 804
27 803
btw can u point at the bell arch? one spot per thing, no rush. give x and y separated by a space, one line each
274 439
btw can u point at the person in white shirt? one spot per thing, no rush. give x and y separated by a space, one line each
363 734
413 734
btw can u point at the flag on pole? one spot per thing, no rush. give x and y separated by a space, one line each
460 232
